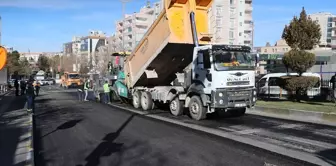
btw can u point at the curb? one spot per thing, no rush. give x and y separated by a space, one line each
297 115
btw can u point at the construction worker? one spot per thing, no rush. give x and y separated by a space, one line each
106 92
80 91
30 96
37 86
87 86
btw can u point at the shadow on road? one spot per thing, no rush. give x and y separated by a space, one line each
64 126
328 156
11 110
107 146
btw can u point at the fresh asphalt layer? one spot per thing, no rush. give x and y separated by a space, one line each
69 132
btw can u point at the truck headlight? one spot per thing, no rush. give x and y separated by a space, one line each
221 101
254 99
254 92
220 94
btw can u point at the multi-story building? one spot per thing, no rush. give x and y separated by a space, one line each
131 29
325 20
231 22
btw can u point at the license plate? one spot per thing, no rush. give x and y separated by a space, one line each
240 105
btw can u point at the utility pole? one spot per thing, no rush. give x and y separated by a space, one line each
123 2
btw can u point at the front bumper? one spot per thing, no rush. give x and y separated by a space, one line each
233 98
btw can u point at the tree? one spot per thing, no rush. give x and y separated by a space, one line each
43 63
25 68
301 35
13 64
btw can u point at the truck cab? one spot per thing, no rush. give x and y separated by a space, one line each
71 80
223 75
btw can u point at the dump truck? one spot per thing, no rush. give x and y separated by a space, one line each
70 79
176 64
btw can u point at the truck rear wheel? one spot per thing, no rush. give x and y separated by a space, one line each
137 99
146 101
176 107
196 108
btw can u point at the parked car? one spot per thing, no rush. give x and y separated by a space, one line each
50 81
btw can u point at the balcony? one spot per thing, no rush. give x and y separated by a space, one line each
248 8
248 17
248 27
248 37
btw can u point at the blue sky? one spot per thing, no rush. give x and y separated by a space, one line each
44 25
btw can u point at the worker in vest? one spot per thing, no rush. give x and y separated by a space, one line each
87 86
106 92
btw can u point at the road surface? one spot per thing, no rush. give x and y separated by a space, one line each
69 132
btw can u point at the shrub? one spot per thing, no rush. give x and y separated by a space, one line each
299 60
298 85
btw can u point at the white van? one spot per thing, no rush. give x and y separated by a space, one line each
268 85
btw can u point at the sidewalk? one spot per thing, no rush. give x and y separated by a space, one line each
15 131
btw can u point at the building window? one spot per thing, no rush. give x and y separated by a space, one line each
231 34
240 34
231 2
240 24
218 21
219 11
241 13
265 50
218 30
330 19
231 23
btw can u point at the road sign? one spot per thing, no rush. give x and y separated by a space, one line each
3 57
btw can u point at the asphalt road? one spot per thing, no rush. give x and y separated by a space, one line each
69 132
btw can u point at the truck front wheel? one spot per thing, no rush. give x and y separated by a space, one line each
137 99
196 108
176 107
146 101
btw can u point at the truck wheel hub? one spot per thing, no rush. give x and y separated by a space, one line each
194 108
173 105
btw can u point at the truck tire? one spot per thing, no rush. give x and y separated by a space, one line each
146 101
137 99
176 107
196 109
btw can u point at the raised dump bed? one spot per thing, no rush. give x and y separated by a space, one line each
167 47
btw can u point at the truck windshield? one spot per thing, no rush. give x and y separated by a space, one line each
74 76
233 60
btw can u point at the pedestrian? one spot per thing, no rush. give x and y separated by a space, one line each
333 82
106 92
80 91
37 87
23 87
87 86
30 96
16 85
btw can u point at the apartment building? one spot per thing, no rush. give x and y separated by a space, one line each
231 22
325 20
131 29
